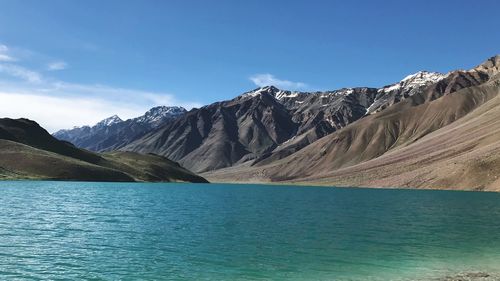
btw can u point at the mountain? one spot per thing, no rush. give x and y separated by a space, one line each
29 151
268 124
113 133
410 85
396 135
446 135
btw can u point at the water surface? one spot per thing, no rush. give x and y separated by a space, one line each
141 231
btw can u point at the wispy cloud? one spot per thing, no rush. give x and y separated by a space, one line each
4 54
57 104
267 79
21 73
57 65
55 113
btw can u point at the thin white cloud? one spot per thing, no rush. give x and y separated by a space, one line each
54 113
5 57
267 79
57 65
60 105
116 94
4 54
57 104
21 73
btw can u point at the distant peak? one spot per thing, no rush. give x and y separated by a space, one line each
424 75
421 78
490 65
159 113
110 121
266 89
495 60
114 118
162 109
270 88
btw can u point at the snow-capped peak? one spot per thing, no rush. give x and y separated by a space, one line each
423 77
409 86
261 90
285 95
109 121
277 93
415 80
158 113
166 110
344 91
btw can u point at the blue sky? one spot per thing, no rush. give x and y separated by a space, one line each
74 62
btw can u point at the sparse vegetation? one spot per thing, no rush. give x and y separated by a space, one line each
27 151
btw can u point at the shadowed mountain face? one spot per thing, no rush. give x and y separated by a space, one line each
268 124
113 133
28 151
445 136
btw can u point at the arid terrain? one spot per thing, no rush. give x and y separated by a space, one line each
448 142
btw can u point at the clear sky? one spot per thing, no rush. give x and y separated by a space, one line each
69 62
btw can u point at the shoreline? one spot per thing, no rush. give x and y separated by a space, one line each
314 184
261 183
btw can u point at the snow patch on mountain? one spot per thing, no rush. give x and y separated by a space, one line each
409 86
267 89
157 114
419 79
285 94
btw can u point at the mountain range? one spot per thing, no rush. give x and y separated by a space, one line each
113 133
396 135
446 135
267 124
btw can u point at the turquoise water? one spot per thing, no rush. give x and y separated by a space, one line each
135 231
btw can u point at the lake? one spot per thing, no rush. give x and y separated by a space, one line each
152 231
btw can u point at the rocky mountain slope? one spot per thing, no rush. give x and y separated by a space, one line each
28 151
390 136
113 133
268 124
446 135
